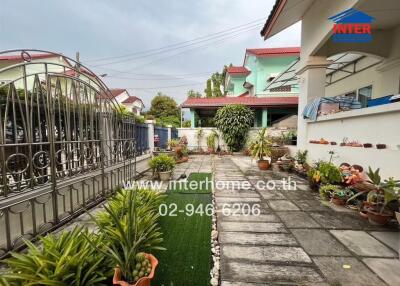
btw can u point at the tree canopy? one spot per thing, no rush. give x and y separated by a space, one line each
163 106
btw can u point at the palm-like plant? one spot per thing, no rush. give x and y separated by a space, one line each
62 260
130 228
260 146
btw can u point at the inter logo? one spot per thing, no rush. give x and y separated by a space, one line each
352 26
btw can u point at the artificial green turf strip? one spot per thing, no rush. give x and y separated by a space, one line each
203 184
187 260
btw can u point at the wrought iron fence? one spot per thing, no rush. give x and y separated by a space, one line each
162 134
64 145
174 133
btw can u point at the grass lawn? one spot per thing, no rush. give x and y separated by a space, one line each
199 183
187 230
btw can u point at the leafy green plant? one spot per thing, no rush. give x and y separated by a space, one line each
326 191
162 163
328 172
234 121
199 136
173 143
374 177
260 145
212 139
130 228
301 157
65 259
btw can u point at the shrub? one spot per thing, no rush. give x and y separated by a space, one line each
65 259
162 163
234 121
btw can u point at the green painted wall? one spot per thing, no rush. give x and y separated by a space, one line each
262 68
235 84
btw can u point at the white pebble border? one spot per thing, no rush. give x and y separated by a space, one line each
215 248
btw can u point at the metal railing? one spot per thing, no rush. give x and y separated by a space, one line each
162 134
64 144
142 139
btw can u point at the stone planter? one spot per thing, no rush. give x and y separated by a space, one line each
277 152
165 176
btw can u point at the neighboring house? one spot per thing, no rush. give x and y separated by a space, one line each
122 97
247 85
353 68
35 65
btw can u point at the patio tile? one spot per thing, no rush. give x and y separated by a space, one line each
249 218
246 238
362 243
251 227
387 269
357 274
311 205
282 205
269 273
237 193
296 219
319 242
271 195
391 239
334 220
236 200
265 253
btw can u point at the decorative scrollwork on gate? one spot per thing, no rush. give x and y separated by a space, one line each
61 134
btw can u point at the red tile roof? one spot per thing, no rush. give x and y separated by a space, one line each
114 92
271 52
32 56
237 70
83 70
131 99
246 100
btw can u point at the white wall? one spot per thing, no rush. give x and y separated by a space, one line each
374 125
190 133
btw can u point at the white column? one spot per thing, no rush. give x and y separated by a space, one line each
169 132
150 134
312 76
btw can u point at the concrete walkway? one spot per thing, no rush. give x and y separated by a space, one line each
295 240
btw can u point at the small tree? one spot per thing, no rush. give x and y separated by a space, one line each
234 122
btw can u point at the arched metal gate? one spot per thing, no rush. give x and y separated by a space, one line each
64 144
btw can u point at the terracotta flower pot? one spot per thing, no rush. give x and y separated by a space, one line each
263 164
338 201
375 217
144 281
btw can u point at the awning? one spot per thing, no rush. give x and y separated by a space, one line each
342 65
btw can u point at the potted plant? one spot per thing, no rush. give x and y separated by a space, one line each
260 148
211 140
323 173
130 227
163 166
383 200
173 144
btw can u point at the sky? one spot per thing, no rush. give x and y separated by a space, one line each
169 46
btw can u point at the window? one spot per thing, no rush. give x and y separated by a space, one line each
364 94
286 88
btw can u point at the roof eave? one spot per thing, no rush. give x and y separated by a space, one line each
276 10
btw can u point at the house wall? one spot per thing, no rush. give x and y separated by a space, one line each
261 69
368 125
190 133
375 125
238 82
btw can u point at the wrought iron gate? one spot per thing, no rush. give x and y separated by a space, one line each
64 145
